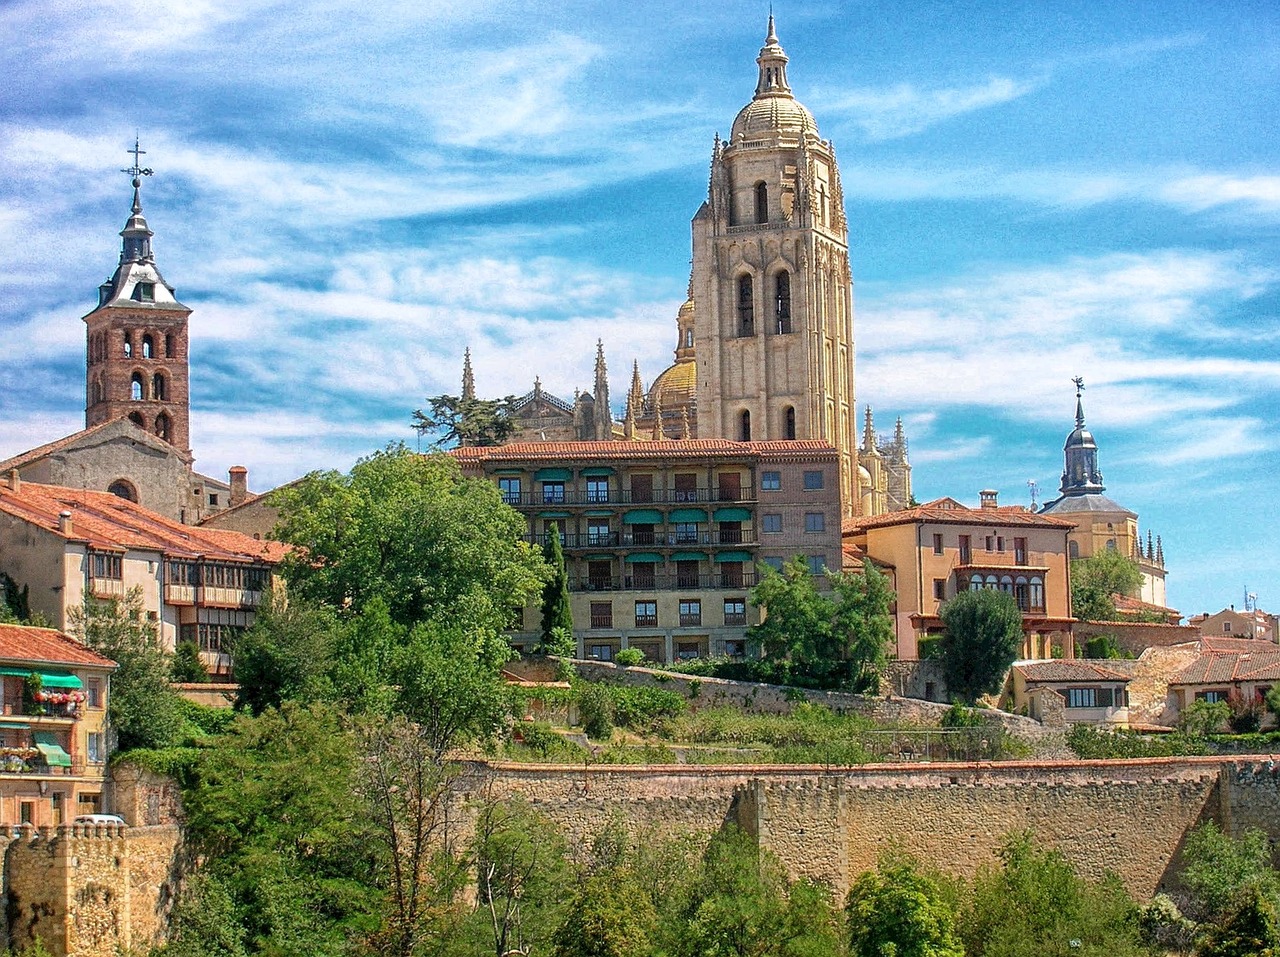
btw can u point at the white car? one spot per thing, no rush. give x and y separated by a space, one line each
99 819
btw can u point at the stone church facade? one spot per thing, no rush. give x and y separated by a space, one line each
765 348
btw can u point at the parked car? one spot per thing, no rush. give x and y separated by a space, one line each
99 819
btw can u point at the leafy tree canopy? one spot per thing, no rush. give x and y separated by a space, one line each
143 709
459 421
983 636
557 612
1217 868
285 655
836 641
897 910
411 531
1097 580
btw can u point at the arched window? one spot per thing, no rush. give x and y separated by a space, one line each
762 203
123 489
163 425
789 422
98 392
135 387
688 338
148 347
128 345
1111 544
782 301
975 583
136 419
157 386
746 306
1037 594
744 426
168 346
1006 584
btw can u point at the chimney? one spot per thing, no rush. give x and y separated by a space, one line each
988 496
15 481
64 522
239 476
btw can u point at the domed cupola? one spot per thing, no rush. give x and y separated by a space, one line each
1081 475
773 109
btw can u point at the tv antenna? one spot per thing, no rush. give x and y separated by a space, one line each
1031 484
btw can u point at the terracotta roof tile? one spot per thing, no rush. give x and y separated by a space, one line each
106 521
1067 670
23 643
1126 604
949 511
1218 669
1226 646
614 450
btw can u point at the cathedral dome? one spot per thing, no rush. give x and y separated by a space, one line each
773 114
675 387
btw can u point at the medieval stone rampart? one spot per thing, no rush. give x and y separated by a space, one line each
1126 816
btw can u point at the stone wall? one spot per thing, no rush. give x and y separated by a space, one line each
1136 637
756 698
1126 816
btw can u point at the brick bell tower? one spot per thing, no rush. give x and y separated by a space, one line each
137 339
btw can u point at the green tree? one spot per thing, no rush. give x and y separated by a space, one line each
822 641
143 710
609 917
982 639
896 910
411 531
1217 867
557 613
275 812
15 604
1097 580
742 905
460 421
1250 928
186 664
1204 718
204 921
1035 905
286 655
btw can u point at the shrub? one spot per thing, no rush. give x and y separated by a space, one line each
927 647
1104 646
1246 713
641 709
186 665
541 741
595 710
628 657
1204 718
958 716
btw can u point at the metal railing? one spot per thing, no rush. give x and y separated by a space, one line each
668 539
538 498
720 582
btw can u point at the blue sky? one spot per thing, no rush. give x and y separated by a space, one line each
347 195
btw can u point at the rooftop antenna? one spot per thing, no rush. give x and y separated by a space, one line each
1031 484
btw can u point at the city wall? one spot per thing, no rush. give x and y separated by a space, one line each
1131 817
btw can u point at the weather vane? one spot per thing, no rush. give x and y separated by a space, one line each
136 169
1079 381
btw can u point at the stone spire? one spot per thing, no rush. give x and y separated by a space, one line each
468 380
1081 475
899 436
629 423
1151 549
868 432
636 396
604 419
1159 552
773 67
657 415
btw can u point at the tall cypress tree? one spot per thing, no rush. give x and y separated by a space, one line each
557 614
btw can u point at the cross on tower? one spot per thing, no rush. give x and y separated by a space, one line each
136 169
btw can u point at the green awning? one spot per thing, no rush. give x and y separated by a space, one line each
734 557
12 726
553 515
642 516
733 515
54 756
508 471
597 471
689 557
688 515
553 475
598 512
644 557
50 679
598 558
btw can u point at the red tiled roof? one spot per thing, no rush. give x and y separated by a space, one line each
613 450
44 645
1217 669
106 521
1126 604
1066 670
1230 646
949 511
31 455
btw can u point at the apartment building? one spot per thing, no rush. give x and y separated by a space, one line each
53 742
663 539
197 584
941 548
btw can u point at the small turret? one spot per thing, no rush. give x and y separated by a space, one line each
468 380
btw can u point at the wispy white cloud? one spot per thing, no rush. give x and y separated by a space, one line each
903 109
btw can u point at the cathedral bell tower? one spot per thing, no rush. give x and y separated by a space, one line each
773 326
137 339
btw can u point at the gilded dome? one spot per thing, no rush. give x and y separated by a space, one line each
676 386
773 114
